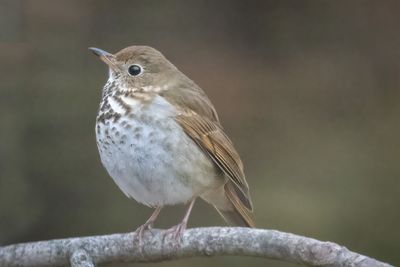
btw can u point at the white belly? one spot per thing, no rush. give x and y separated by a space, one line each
152 160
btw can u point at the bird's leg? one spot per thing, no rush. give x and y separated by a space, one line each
177 230
147 225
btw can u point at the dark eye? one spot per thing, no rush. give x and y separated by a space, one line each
134 70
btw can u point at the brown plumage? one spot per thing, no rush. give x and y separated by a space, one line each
187 155
210 137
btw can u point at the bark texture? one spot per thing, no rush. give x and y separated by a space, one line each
197 242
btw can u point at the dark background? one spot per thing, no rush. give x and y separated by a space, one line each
307 90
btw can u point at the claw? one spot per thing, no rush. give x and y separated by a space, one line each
148 225
177 232
140 232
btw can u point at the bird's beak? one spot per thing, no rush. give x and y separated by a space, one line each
106 57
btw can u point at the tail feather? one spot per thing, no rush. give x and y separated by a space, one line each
229 205
240 215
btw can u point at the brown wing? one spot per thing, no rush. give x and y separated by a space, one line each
188 96
211 138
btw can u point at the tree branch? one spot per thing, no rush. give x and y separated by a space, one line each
157 246
80 258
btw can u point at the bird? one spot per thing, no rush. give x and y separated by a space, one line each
160 139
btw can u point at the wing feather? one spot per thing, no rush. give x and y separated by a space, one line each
210 136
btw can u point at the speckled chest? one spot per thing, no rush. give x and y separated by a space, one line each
127 125
148 154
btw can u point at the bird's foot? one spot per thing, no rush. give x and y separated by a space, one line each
177 232
140 232
148 225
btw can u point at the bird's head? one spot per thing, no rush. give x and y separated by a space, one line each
138 68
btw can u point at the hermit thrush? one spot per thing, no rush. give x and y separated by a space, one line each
160 139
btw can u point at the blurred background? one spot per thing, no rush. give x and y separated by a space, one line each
307 90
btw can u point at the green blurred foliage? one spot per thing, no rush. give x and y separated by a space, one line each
307 90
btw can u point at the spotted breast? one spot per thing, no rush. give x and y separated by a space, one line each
147 153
